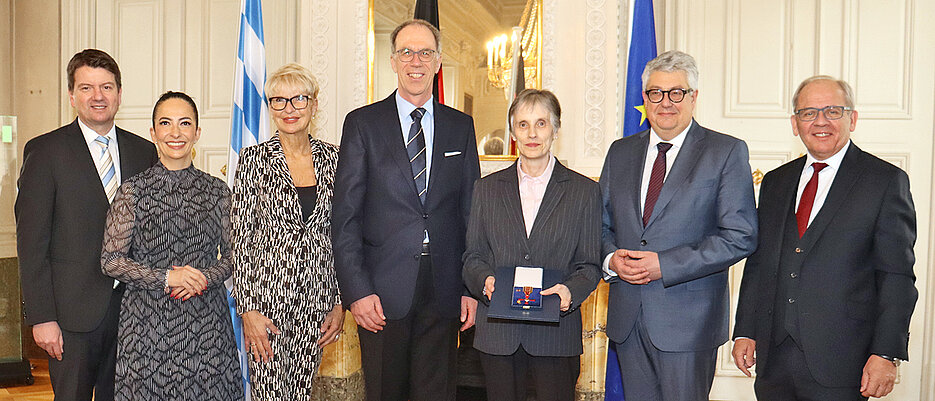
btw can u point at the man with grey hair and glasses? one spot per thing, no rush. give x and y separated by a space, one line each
831 286
678 212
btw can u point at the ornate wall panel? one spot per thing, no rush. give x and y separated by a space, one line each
881 47
139 46
758 34
217 57
595 39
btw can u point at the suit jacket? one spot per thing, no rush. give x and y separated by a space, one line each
270 237
379 223
703 222
60 212
565 236
853 281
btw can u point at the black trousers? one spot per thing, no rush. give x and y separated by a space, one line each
786 377
88 359
413 358
508 376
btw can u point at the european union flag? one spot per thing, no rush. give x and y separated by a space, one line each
642 49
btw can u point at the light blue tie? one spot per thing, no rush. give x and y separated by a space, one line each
105 168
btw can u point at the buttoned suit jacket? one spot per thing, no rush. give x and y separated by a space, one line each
60 212
703 222
379 222
565 236
854 280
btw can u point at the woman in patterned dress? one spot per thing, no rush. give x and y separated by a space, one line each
165 230
284 281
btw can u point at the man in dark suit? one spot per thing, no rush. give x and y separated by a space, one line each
66 184
831 286
402 195
678 212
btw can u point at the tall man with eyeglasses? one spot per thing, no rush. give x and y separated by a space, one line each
68 178
402 196
678 212
826 299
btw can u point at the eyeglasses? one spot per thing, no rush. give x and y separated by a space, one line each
675 95
406 55
299 102
830 112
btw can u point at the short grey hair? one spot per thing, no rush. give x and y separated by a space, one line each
532 97
671 61
845 87
423 23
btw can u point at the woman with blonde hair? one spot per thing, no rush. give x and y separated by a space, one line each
284 280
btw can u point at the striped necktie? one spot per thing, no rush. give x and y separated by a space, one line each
415 147
656 178
105 168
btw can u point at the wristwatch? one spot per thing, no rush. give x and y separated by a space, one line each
894 361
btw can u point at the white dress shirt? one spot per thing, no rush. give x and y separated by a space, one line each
90 135
651 152
428 127
405 109
825 178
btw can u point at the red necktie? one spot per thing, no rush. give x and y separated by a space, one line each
808 198
656 179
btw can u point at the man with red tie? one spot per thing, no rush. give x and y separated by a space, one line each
831 284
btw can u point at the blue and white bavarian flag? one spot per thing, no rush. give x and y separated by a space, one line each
249 126
642 48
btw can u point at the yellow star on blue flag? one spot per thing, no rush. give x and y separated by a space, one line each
642 110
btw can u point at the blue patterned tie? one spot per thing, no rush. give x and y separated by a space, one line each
415 147
105 168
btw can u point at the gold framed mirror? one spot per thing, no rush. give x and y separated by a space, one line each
479 40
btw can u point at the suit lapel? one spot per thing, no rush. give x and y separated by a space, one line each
284 179
554 192
392 138
633 177
509 187
844 181
85 162
127 160
684 165
787 188
440 143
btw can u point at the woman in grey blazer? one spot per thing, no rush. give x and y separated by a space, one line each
539 213
284 281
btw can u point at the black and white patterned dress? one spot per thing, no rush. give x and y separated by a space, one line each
172 349
284 265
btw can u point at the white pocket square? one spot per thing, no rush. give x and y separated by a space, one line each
455 153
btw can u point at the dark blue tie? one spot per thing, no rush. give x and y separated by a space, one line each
415 146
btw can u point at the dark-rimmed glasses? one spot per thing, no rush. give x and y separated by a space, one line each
299 102
406 55
676 95
830 112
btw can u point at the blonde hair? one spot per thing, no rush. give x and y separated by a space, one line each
293 74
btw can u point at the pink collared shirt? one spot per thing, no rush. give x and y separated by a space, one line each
531 191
